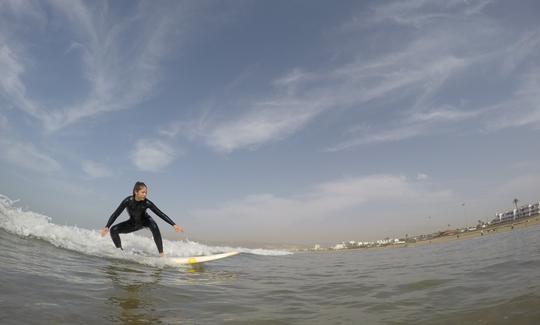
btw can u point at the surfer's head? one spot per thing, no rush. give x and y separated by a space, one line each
139 191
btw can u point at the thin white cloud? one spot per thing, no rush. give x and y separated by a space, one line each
190 129
152 155
418 124
122 73
368 138
22 8
523 49
122 70
11 85
269 121
263 120
294 79
27 156
418 13
444 114
323 202
422 176
522 109
13 56
4 123
93 169
294 105
525 165
525 187
522 185
418 70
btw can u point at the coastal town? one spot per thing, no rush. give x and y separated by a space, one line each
519 217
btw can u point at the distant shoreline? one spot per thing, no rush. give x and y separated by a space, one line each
495 229
488 231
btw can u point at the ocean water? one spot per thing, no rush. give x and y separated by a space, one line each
54 274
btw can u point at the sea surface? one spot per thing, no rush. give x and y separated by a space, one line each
56 274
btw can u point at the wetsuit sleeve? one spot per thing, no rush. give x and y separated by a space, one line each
117 212
158 212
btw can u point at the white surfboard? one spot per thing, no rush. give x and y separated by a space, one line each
201 259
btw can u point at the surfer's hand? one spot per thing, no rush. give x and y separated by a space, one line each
177 228
104 231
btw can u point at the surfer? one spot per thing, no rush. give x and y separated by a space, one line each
136 205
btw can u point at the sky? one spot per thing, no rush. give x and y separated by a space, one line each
272 121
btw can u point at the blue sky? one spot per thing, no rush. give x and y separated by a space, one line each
283 121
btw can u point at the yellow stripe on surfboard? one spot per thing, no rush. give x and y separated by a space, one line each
201 259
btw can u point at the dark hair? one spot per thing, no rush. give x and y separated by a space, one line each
138 187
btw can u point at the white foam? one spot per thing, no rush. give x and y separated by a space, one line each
137 248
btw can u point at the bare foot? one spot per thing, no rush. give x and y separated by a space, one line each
161 254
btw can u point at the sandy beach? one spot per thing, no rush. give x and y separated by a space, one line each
523 223
488 231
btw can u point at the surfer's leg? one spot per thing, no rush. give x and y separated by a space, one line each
150 223
121 228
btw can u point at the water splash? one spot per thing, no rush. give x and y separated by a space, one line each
137 248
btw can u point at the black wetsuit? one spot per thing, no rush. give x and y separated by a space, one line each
138 218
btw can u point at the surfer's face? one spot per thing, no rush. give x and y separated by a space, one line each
140 194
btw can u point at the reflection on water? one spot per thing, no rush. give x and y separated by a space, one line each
141 295
198 275
487 280
132 294
196 268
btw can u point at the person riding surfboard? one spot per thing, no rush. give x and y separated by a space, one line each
136 205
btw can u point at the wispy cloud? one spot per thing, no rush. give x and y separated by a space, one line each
417 124
11 84
323 201
260 121
27 156
4 123
93 169
268 121
152 155
525 165
524 186
121 69
418 13
301 97
369 137
421 176
522 109
22 8
414 72
430 61
444 114
525 48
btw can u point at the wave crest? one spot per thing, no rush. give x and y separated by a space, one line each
137 248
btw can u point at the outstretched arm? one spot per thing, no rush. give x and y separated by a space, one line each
117 212
113 217
159 213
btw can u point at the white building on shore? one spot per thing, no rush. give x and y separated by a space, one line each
525 211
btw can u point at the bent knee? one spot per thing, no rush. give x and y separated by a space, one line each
153 226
